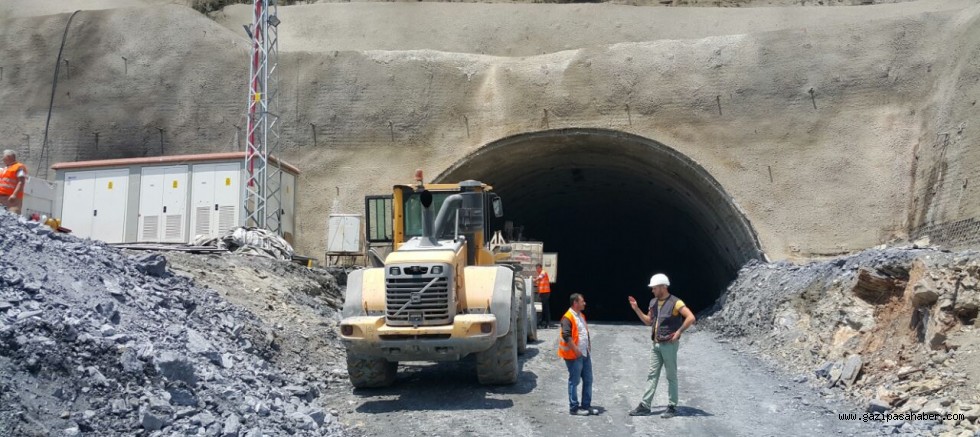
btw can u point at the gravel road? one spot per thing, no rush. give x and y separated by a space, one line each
722 392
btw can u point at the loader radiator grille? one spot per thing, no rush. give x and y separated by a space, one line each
417 300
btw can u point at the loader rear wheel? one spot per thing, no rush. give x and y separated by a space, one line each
371 372
532 318
498 365
532 325
522 323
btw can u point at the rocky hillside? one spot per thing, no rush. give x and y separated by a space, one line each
894 327
100 342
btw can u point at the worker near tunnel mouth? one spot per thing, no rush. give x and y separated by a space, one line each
13 180
575 347
543 283
669 317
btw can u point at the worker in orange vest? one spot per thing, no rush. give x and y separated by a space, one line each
574 346
13 180
544 292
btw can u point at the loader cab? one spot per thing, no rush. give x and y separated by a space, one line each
393 220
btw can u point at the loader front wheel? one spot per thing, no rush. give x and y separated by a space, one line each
371 372
498 365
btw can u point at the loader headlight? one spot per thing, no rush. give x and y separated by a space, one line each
347 330
436 270
486 327
394 271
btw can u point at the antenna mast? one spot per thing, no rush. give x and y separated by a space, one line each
263 174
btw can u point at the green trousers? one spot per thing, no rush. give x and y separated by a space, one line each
664 356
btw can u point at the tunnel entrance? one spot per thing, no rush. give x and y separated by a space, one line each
617 208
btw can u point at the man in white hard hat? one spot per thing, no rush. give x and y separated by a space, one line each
670 318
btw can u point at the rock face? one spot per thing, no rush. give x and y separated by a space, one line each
894 327
698 80
96 342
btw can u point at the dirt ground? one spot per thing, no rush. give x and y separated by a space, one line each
302 304
722 392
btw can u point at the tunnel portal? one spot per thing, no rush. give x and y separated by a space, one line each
617 208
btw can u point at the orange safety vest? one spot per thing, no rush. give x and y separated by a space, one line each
564 349
544 283
8 180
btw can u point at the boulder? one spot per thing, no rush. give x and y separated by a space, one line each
176 368
924 293
153 265
851 369
878 406
231 427
151 422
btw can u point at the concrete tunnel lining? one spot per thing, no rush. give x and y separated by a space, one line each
617 208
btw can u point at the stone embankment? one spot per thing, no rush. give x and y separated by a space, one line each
97 341
893 327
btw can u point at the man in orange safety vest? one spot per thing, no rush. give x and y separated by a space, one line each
544 293
13 180
574 346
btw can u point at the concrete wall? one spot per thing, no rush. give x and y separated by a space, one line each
851 162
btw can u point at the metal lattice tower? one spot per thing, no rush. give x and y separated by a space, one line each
263 177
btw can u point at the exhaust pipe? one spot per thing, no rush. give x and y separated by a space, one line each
428 220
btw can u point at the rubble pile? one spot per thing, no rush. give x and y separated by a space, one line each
95 341
893 327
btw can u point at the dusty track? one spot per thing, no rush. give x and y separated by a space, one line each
722 392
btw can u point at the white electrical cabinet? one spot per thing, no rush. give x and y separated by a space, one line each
95 204
549 263
39 197
166 199
344 237
215 198
163 204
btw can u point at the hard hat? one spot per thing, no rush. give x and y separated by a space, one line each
659 279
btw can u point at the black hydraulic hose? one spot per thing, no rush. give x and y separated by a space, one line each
54 85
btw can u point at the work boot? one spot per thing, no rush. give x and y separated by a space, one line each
671 412
640 410
573 411
588 411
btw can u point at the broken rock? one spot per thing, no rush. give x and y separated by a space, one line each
153 265
151 422
851 369
175 368
878 406
924 293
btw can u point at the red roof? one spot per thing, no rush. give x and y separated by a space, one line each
176 159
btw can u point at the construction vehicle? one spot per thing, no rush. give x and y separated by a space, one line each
528 254
440 295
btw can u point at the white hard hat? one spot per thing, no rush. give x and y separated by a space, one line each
659 279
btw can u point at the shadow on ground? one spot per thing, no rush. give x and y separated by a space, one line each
427 387
682 411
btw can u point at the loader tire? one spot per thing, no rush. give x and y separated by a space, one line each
371 372
532 321
522 323
532 325
498 365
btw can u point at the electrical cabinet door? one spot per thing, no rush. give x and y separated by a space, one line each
76 209
109 207
215 198
163 204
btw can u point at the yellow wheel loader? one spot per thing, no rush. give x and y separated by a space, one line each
439 295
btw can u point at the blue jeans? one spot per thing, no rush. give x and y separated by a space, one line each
579 368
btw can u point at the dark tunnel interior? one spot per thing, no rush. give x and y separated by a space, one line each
617 208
